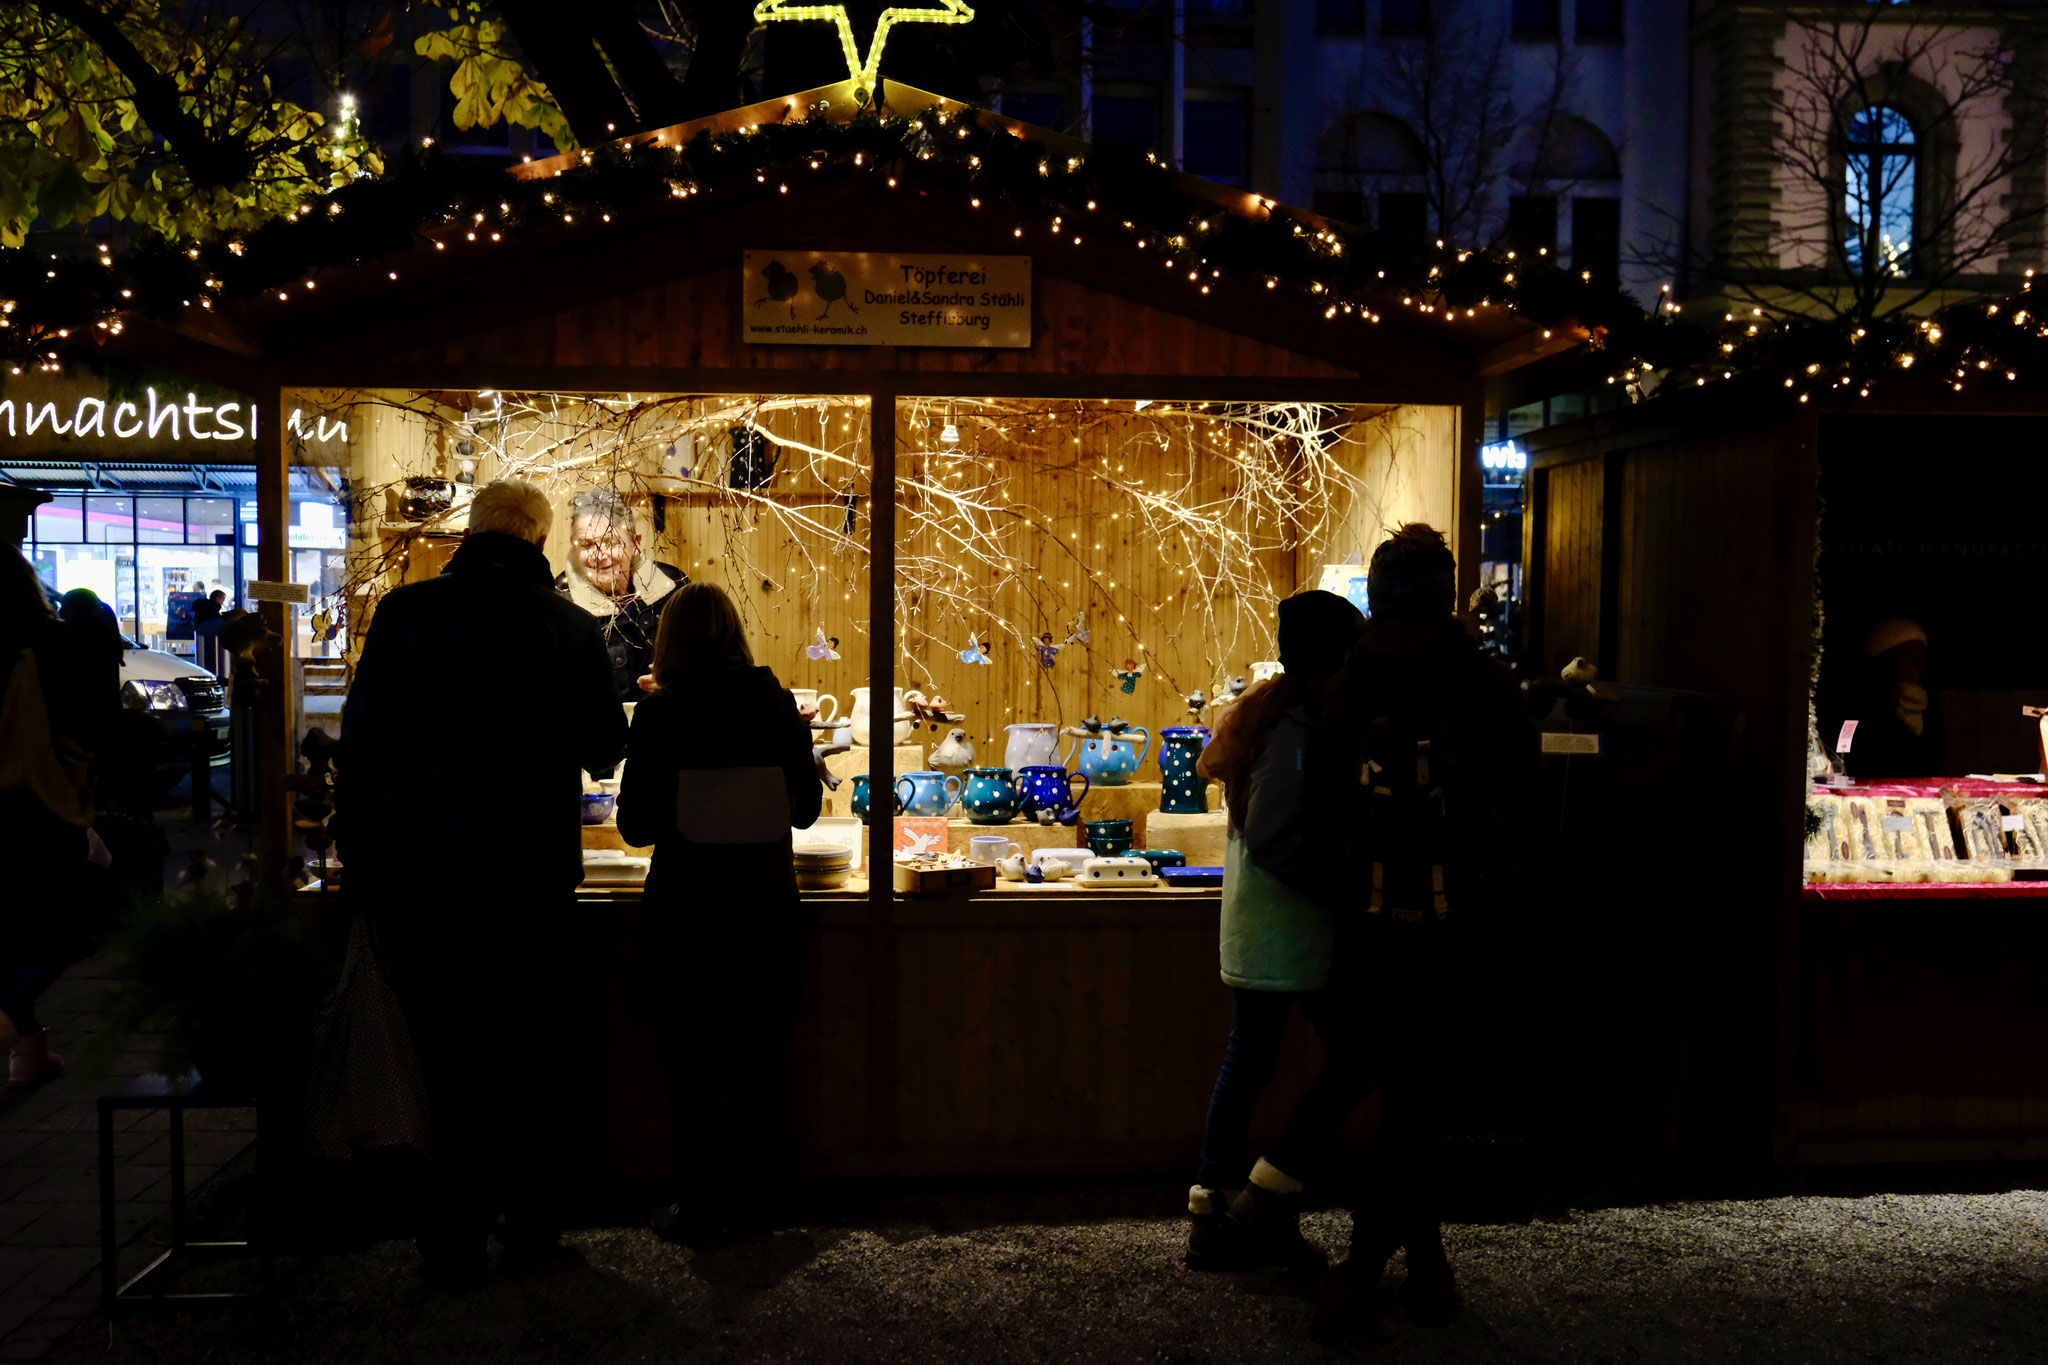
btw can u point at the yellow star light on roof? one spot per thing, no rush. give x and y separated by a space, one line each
864 73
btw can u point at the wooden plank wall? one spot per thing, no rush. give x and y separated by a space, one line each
693 322
1572 535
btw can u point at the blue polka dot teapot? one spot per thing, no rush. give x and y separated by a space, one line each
1102 752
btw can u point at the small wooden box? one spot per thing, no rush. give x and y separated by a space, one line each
944 881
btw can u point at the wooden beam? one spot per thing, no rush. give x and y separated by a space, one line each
1527 350
881 1066
273 754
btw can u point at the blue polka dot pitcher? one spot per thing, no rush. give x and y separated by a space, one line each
1105 755
1187 792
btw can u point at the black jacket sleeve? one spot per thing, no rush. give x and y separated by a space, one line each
800 769
593 704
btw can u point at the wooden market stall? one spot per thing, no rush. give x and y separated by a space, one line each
1104 505
1741 547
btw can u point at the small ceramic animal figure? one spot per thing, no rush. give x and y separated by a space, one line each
954 752
1196 701
1580 671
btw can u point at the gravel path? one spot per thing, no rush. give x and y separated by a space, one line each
1093 1274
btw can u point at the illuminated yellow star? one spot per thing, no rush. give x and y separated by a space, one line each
864 72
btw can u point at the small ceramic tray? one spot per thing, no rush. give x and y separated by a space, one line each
1192 876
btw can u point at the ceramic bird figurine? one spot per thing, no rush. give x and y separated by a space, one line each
954 752
1196 701
1579 672
825 773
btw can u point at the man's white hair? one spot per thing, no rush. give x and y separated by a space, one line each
513 507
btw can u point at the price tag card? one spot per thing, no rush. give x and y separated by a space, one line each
1847 737
1897 824
2009 823
1571 744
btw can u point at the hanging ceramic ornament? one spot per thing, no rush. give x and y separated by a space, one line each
822 647
977 653
1047 650
1128 675
1077 630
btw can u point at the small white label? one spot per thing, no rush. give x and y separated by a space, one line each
1571 744
1840 780
260 591
2009 823
1847 737
1897 824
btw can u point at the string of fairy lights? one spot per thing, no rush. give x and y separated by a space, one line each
58 308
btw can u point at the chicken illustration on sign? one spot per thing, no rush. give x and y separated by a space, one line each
828 284
856 298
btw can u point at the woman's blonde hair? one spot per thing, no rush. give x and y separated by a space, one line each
700 632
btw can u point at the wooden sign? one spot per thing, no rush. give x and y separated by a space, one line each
260 591
866 298
1555 743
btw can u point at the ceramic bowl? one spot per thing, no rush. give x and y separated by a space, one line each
1110 848
598 807
822 879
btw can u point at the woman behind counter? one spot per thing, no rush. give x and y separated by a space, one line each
719 770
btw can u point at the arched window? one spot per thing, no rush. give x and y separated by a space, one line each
1882 156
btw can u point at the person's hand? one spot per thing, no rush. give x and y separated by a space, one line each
807 711
648 684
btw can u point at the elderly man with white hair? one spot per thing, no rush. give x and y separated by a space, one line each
610 578
480 696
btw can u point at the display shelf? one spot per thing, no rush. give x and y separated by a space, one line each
909 759
607 836
1924 891
1200 837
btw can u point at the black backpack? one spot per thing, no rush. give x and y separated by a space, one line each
1300 808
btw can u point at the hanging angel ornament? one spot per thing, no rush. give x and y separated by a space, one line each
1128 675
822 647
977 653
1077 630
1047 650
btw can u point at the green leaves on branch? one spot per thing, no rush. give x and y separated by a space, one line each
489 82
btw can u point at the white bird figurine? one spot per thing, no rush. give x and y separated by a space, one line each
954 752
1579 672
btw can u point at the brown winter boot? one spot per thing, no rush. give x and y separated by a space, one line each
1212 1244
1265 1221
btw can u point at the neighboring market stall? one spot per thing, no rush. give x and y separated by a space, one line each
987 467
1862 878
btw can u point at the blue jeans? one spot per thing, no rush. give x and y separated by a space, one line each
1258 1026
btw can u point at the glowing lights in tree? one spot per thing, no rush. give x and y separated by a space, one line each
864 71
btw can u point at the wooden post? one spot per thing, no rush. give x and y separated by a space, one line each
273 749
881 938
1469 488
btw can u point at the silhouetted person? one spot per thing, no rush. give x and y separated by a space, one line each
1899 731
462 832
206 624
720 771
1276 946
1444 751
48 729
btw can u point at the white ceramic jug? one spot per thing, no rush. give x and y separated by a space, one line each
861 721
825 703
1032 745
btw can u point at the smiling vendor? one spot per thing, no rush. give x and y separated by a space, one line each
609 578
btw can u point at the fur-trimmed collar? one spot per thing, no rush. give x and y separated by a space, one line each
650 585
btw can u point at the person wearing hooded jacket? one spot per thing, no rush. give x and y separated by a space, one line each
1276 945
719 771
1407 950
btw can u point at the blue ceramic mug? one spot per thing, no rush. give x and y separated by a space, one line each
929 794
989 796
1048 788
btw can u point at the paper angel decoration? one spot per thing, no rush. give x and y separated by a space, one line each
822 648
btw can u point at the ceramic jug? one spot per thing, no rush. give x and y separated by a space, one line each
927 793
1044 787
860 798
1032 745
1108 758
827 705
861 720
989 796
1187 792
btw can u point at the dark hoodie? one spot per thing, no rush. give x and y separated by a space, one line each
717 917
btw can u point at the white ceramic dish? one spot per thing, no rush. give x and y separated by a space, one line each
1117 873
618 867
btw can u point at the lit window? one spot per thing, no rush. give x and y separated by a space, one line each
1882 158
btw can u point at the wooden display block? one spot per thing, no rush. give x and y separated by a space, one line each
1133 801
945 881
1027 835
909 759
1200 837
607 836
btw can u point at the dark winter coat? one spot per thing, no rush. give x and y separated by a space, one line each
479 697
718 919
